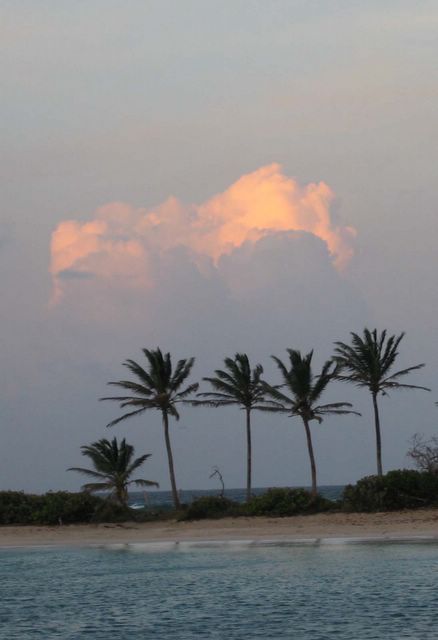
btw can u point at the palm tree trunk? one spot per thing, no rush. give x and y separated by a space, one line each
311 456
123 496
248 454
378 436
175 496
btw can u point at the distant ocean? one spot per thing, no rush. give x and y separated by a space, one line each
163 499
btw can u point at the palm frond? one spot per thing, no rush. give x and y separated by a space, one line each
368 360
140 373
273 407
125 416
181 395
97 486
214 403
283 369
88 472
158 388
144 483
130 467
113 465
276 395
336 407
182 372
131 386
236 384
399 385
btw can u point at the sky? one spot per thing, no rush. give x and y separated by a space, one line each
213 177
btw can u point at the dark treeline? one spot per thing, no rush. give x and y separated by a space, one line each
398 489
367 361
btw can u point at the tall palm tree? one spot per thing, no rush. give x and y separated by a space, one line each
241 386
368 362
113 466
303 393
156 387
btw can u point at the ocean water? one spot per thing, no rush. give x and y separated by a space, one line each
308 592
163 499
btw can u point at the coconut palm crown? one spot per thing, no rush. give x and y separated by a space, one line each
113 464
239 385
368 362
158 386
300 394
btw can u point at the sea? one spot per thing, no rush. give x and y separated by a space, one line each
234 590
385 591
163 499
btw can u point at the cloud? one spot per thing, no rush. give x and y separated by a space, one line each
72 274
123 246
105 248
254 269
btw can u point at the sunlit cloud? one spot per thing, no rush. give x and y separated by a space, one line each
121 244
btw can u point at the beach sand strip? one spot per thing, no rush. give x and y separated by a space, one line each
393 525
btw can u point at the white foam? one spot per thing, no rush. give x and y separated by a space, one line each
240 544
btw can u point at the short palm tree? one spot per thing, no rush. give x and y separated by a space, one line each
113 464
237 385
303 391
158 386
368 362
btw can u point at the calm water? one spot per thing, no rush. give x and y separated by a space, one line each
354 592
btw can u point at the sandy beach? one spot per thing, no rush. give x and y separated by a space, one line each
400 524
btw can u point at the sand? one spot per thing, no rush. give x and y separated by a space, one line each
394 525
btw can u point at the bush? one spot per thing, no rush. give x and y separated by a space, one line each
398 489
16 507
63 507
54 507
109 511
286 502
210 507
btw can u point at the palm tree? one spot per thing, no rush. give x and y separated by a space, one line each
156 387
241 386
368 362
113 466
304 392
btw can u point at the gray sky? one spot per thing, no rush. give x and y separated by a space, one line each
212 177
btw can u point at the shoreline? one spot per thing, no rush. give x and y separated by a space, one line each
418 525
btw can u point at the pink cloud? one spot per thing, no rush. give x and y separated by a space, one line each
120 243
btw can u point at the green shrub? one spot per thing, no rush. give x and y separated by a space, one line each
16 507
210 507
63 507
80 507
54 507
110 511
286 502
398 489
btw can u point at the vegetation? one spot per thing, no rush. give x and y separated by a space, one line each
159 387
274 503
304 393
287 502
216 472
240 386
63 507
58 507
400 489
113 464
210 507
368 362
424 453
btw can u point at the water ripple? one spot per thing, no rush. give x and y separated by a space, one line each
354 592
